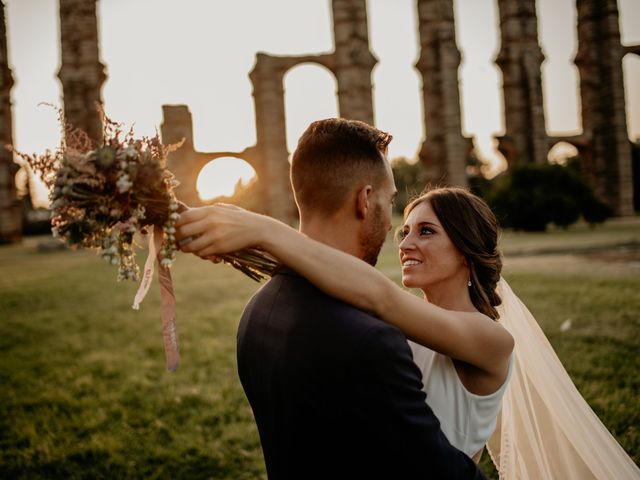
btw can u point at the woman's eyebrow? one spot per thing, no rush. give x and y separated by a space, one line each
428 223
407 227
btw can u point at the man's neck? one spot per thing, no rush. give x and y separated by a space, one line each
334 232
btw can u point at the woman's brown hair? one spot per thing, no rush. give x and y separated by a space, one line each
473 229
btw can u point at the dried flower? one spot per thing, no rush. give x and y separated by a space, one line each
124 183
105 157
101 196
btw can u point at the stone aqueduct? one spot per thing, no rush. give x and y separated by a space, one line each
604 146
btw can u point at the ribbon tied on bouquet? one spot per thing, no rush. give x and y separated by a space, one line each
167 298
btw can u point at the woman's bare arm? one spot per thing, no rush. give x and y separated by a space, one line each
470 337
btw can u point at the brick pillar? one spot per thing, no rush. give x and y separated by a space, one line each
353 61
520 60
10 206
444 152
81 73
599 61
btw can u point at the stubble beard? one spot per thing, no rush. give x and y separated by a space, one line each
372 237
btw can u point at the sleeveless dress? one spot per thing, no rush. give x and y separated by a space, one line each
467 419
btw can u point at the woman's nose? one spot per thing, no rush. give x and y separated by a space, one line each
406 243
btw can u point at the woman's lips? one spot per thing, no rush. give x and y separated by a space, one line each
409 263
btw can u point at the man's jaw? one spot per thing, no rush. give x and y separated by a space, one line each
370 255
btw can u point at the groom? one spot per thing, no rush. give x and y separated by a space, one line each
334 390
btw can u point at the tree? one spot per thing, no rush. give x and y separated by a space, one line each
530 197
410 180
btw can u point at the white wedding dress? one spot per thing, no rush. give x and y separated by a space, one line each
544 430
467 420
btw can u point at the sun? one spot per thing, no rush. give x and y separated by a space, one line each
219 177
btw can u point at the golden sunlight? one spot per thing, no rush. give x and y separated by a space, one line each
219 177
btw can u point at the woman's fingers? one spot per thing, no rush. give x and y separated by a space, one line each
215 229
192 229
209 252
198 243
192 215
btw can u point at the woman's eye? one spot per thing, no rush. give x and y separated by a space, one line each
425 231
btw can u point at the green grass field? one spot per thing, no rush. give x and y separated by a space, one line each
85 395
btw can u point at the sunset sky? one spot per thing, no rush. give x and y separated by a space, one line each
199 53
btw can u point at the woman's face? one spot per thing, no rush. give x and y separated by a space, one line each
427 255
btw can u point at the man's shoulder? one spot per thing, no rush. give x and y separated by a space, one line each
288 314
291 290
290 294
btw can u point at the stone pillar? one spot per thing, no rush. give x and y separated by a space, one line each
273 165
520 60
444 152
10 206
599 61
353 61
178 125
81 72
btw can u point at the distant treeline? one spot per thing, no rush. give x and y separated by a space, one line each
528 197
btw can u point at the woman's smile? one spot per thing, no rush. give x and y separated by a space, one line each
410 263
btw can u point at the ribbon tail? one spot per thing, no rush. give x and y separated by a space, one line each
167 311
147 276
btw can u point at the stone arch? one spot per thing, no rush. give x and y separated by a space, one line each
604 151
351 63
186 163
221 162
316 77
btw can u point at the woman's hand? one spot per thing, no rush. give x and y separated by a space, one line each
218 229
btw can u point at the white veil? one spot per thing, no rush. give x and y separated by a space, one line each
546 430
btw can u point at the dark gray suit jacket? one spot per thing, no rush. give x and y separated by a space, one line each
335 392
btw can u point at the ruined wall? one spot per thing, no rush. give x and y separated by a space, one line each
444 152
604 144
10 207
351 62
520 60
607 163
186 163
81 72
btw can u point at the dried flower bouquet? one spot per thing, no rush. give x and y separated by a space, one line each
101 196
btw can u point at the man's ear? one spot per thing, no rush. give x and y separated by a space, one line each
363 201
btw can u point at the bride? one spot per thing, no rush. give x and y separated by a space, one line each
518 401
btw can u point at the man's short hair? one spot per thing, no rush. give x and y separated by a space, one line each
333 158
